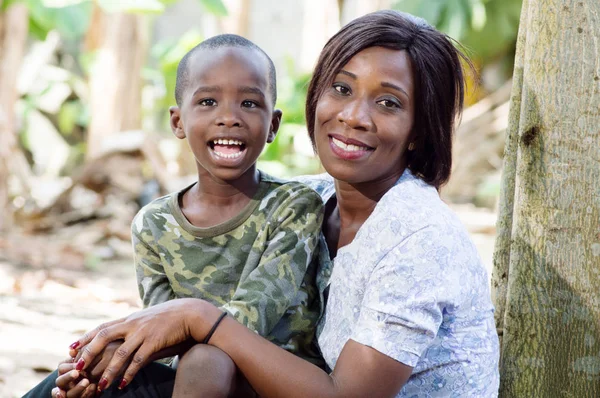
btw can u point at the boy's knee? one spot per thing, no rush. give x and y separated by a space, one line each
206 357
208 369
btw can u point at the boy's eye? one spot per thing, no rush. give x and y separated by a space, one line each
207 102
388 103
249 104
342 89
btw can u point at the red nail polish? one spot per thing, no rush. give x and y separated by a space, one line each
74 345
122 384
102 384
80 364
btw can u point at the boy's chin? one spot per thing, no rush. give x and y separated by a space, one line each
234 175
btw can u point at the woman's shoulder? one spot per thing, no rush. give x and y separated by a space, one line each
321 183
412 219
412 205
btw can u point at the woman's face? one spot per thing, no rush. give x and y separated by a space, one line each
363 121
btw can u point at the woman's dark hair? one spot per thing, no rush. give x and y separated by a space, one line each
438 80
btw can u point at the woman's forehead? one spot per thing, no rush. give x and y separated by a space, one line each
381 62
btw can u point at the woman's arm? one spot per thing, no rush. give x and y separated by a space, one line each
361 371
273 372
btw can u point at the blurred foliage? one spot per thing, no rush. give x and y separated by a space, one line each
488 28
165 56
291 152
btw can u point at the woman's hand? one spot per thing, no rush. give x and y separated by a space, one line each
145 333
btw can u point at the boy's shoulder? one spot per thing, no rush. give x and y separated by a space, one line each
159 208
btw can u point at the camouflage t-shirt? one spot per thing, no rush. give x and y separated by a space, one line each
260 266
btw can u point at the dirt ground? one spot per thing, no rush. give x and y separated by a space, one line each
42 311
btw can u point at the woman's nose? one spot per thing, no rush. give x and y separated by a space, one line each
356 115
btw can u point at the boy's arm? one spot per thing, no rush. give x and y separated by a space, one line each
153 283
264 296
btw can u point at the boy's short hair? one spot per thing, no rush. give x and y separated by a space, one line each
221 41
438 79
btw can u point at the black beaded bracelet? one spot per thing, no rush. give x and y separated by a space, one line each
214 327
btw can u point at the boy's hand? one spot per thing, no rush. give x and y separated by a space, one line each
98 365
70 383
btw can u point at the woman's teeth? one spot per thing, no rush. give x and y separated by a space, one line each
349 148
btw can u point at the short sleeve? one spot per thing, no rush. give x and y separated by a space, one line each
266 293
403 304
153 284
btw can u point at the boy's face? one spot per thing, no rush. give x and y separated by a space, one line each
226 111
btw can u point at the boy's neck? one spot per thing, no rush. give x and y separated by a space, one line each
210 188
211 202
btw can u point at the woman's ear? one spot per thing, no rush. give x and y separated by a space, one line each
175 121
275 123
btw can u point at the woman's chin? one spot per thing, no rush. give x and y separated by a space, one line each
347 173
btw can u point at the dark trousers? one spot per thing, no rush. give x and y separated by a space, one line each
154 381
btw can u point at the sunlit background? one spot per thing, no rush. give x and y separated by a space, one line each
84 95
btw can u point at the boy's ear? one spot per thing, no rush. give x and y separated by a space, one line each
175 121
275 123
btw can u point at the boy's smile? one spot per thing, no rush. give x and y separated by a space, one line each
227 148
226 112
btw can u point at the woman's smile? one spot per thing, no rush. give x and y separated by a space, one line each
348 149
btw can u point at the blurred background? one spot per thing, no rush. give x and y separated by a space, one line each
85 87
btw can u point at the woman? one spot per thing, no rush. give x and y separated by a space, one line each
408 308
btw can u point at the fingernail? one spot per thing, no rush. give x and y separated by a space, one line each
122 384
80 364
74 345
102 384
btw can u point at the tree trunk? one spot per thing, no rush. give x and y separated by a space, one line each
13 37
547 262
115 81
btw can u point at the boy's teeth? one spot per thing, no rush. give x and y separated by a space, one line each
349 148
227 142
228 155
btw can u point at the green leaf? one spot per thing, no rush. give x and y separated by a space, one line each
73 21
215 7
133 6
428 10
6 3
68 116
70 21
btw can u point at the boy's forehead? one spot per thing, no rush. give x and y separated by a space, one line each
209 62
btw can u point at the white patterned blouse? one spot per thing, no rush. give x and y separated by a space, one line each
411 285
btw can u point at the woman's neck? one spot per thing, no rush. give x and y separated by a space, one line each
355 203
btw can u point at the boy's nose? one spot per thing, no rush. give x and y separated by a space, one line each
228 118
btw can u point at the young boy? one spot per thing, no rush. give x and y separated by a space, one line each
236 237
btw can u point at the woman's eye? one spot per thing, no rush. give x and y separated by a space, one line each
341 89
208 102
249 104
389 103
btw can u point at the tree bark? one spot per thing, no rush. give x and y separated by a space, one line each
13 37
115 81
547 262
